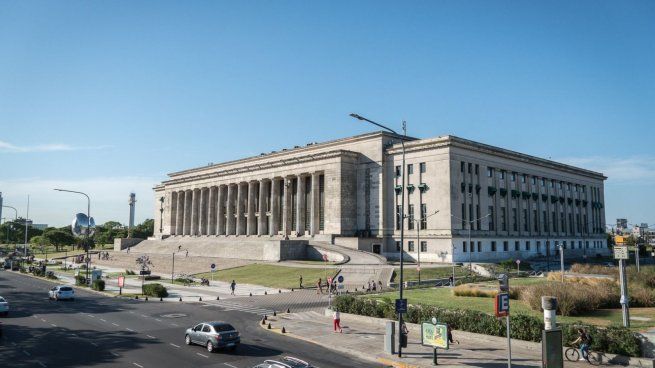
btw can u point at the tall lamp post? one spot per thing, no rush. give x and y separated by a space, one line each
470 225
418 241
15 218
402 215
88 229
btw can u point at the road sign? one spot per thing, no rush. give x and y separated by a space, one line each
213 266
501 305
621 252
144 272
121 281
401 305
340 278
435 335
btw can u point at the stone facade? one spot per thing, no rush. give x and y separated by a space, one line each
348 192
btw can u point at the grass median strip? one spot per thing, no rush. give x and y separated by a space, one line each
273 276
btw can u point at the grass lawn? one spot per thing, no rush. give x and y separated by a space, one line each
444 298
270 275
411 274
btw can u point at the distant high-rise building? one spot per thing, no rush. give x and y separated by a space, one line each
621 224
132 203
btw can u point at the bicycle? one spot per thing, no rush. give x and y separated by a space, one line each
572 354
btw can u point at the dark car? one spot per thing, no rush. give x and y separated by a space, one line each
213 335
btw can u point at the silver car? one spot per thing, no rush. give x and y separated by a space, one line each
213 335
61 292
286 362
4 307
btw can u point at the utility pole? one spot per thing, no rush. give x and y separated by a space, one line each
27 221
561 260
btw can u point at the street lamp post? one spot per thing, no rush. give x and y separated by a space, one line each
470 225
15 218
402 214
88 229
418 241
27 222
161 215
561 260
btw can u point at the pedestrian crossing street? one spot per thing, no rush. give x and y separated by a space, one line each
230 305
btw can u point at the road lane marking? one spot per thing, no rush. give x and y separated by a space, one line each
203 355
144 316
114 354
177 346
41 364
230 365
93 343
115 324
138 365
174 324
53 325
43 320
150 336
91 315
26 353
129 329
103 320
157 319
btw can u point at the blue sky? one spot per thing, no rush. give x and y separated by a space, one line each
109 97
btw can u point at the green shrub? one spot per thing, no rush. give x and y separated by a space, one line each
80 280
157 290
98 285
573 298
130 272
37 271
51 275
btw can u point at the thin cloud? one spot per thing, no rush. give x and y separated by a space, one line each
7 147
632 169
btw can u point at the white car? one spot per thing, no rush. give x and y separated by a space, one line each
61 292
4 306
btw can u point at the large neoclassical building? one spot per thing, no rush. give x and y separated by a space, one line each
463 200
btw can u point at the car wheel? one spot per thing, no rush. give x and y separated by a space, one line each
187 339
210 347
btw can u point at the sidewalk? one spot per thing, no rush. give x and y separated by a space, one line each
364 337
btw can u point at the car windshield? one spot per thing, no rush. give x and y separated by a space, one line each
222 327
66 288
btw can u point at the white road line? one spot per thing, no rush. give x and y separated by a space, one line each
177 346
43 320
41 364
129 329
53 325
144 316
93 343
138 365
230 365
157 319
115 324
114 354
150 336
203 355
132 312
26 353
103 320
91 315
174 324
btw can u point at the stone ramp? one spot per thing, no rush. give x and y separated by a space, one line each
356 257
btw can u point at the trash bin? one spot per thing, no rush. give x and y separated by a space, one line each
403 339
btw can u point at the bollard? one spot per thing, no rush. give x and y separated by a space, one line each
291 289
136 297
265 293
265 317
279 291
288 310
274 313
264 321
146 298
269 325
161 299
180 298
200 299
549 305
218 298
250 294
283 330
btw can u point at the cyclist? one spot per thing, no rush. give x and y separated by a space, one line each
584 340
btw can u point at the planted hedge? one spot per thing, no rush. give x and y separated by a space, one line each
98 285
157 290
615 340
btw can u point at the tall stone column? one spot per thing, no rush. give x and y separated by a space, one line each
221 209
315 204
241 199
300 206
179 220
275 207
195 210
187 212
251 224
286 207
202 212
231 207
262 219
211 215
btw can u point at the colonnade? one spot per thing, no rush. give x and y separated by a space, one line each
278 206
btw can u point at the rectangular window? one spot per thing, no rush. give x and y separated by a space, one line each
538 246
586 244
421 167
410 246
491 218
503 219
517 246
398 217
490 172
502 174
568 186
424 246
543 182
562 222
564 244
527 245
552 183
464 246
505 246
559 185
410 218
525 220
471 215
410 169
398 172
524 178
535 221
463 216
545 217
469 169
534 180
493 246
479 246
424 214
477 214
513 177
462 166
515 220
397 246
477 169
571 223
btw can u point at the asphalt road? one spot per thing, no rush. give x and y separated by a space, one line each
99 331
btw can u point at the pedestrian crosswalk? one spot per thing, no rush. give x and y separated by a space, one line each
229 305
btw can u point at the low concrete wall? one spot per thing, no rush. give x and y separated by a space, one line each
365 244
122 243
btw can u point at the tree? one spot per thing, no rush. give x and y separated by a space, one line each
58 237
39 240
144 230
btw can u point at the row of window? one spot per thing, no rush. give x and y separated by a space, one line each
527 245
423 223
411 247
410 169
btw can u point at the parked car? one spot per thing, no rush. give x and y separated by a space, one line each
286 362
4 306
61 292
213 335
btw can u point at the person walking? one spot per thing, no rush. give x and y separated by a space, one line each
300 281
233 287
336 318
319 286
187 254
